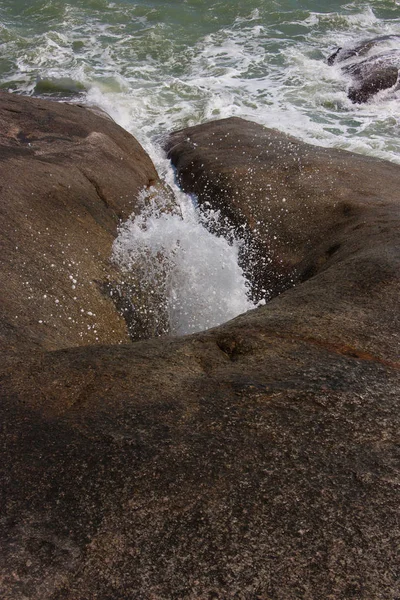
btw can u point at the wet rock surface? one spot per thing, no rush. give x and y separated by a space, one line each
255 460
304 207
370 65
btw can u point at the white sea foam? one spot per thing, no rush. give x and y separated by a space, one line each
151 83
196 272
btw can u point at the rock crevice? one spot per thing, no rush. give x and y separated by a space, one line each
254 460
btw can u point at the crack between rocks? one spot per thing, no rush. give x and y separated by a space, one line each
97 188
12 110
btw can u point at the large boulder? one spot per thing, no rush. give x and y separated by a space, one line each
303 208
255 460
68 176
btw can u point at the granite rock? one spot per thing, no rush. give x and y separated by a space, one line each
257 460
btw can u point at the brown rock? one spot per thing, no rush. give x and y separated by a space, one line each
325 217
258 460
67 176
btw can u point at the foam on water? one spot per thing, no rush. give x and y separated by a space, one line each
245 71
154 75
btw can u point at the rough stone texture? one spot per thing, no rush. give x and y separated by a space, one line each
299 202
258 460
67 177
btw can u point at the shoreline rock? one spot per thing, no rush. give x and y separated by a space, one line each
308 209
371 69
255 460
68 177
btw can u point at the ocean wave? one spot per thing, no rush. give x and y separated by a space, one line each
160 67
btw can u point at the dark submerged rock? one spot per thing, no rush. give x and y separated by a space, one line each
361 49
381 79
256 460
372 74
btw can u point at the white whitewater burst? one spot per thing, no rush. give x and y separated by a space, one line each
198 272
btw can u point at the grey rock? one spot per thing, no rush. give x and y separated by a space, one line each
370 68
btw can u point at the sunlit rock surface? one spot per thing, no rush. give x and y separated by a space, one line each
68 176
256 460
323 218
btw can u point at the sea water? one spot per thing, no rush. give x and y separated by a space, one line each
157 66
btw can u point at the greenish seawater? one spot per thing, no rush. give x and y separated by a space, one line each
160 65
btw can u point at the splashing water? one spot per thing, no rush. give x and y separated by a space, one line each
159 66
192 275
